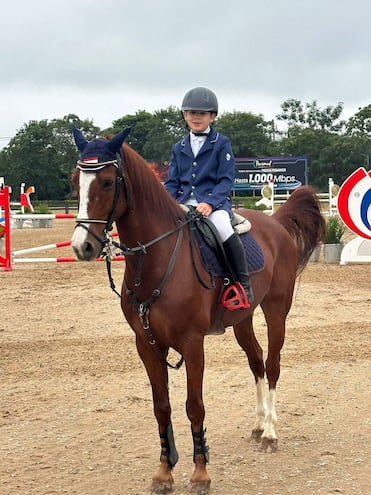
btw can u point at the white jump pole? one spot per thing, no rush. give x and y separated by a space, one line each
58 259
61 259
41 248
43 216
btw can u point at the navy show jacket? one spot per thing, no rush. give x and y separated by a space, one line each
209 175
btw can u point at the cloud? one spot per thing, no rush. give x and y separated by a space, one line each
103 60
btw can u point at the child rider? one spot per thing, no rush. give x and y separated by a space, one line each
201 174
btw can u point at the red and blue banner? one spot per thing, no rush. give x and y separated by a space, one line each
354 202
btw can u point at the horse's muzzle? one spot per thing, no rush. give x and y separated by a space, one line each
85 247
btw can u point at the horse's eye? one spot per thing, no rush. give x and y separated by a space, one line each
107 184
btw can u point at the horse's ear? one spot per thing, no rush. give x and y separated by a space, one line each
115 143
80 141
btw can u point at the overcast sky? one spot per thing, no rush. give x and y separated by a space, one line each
103 59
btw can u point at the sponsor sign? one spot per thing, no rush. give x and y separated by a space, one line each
285 172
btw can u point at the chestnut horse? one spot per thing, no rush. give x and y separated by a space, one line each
167 296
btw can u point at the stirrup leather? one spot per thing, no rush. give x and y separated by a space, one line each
234 297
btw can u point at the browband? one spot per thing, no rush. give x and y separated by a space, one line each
95 167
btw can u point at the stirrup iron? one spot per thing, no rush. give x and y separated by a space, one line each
234 297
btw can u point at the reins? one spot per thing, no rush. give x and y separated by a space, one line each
143 307
128 251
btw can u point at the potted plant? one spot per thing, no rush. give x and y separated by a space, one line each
333 246
40 222
315 253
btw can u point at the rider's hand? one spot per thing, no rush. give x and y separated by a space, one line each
204 208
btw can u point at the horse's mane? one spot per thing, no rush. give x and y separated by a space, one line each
147 187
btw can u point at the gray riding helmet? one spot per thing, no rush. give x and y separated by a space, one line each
202 99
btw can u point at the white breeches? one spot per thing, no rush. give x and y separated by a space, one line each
222 222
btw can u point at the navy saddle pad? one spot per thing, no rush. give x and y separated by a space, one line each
254 255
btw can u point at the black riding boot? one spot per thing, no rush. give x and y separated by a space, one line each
236 256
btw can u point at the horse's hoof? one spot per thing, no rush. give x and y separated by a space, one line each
161 487
200 487
269 444
256 435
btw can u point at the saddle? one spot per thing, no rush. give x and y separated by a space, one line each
204 233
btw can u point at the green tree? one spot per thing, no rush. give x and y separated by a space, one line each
167 128
142 123
339 159
306 142
250 134
319 134
309 115
43 154
330 155
360 123
4 165
360 126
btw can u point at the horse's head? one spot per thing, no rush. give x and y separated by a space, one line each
98 180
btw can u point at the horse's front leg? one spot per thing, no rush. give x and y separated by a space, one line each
200 480
162 481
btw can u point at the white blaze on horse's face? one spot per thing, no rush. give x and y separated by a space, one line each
80 235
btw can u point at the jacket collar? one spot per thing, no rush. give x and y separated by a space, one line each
209 143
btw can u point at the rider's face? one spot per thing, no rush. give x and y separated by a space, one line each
198 120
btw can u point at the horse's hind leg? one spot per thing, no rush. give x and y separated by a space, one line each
246 338
162 481
275 315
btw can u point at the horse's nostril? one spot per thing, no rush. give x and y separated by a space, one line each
88 251
88 248
85 252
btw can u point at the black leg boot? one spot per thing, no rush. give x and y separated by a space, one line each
236 256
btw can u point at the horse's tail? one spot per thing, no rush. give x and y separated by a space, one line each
302 218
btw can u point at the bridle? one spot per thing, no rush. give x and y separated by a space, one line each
120 179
